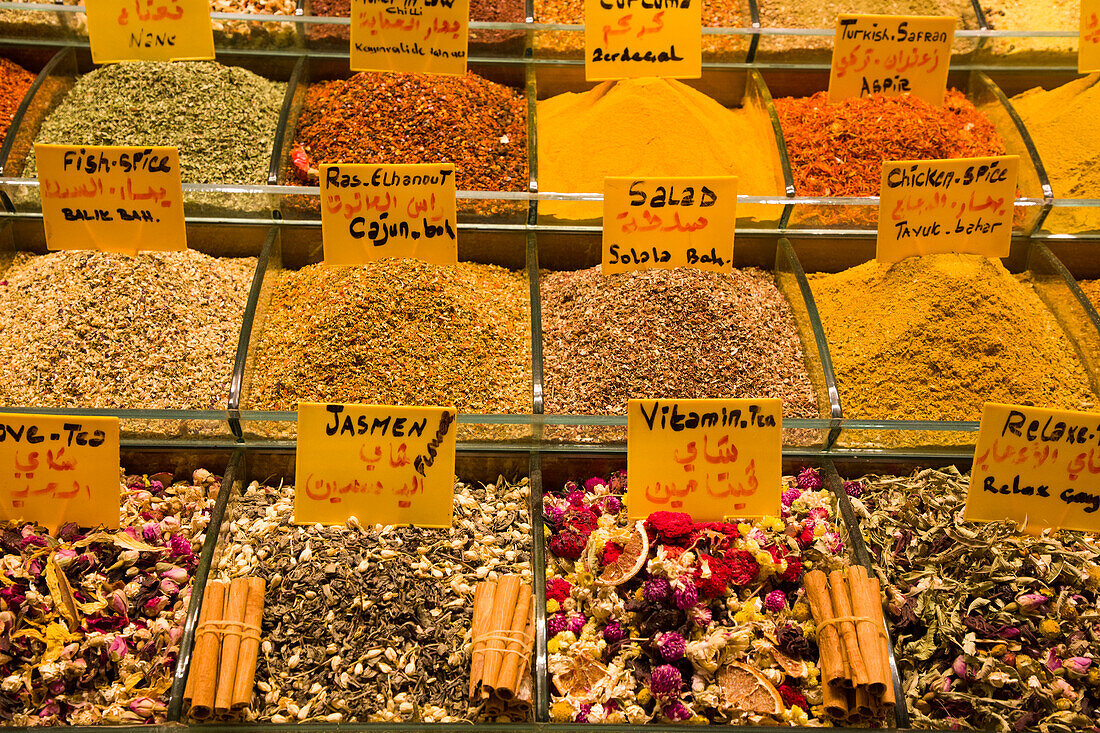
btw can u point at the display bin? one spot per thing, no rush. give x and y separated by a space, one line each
1016 37
39 21
31 58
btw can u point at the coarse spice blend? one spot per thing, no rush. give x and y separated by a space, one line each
1025 15
14 83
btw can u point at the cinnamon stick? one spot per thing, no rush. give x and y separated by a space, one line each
203 675
231 644
483 603
828 638
515 651
250 644
835 700
866 607
863 706
842 607
888 695
504 606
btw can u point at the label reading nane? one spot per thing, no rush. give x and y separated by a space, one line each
380 464
369 212
627 39
1088 42
414 36
111 198
891 54
149 30
1037 467
710 458
960 205
59 469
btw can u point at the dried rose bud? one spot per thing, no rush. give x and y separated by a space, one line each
169 587
117 602
1030 601
117 649
959 667
154 605
1077 665
177 574
129 557
143 706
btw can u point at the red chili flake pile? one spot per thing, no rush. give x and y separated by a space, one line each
838 149
14 82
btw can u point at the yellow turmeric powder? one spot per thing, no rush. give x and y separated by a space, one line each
1092 292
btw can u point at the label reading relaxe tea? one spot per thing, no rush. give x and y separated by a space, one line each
627 39
710 458
961 205
668 223
414 36
1088 42
891 54
59 469
112 198
369 212
380 464
1037 467
149 30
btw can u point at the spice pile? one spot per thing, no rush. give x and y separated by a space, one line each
252 33
994 630
92 620
684 334
670 620
156 331
372 624
1092 291
485 11
14 83
396 332
935 337
1024 15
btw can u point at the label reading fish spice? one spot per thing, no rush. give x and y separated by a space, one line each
627 39
710 458
380 464
111 198
668 223
891 55
414 36
1088 43
149 30
59 469
370 212
1037 467
963 205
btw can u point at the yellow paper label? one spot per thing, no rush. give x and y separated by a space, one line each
112 198
1037 467
415 36
627 39
1088 44
891 55
369 212
380 464
710 458
149 30
668 223
59 469
933 206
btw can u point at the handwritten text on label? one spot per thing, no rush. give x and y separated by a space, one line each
626 39
1088 44
415 36
149 30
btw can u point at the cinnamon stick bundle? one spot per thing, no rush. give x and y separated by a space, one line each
250 645
503 631
884 649
203 675
866 608
842 606
514 651
231 644
833 672
504 607
483 604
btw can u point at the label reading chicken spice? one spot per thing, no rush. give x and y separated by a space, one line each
111 198
59 469
380 464
149 30
1037 467
628 39
370 212
891 55
414 36
668 223
1088 44
962 206
710 458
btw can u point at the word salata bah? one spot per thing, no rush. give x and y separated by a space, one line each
626 39
150 30
415 36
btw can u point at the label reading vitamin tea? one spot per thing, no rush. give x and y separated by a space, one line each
1037 467
961 205
1088 42
369 212
111 198
891 55
627 39
380 464
710 458
149 30
414 36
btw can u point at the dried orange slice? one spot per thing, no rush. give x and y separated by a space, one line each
748 690
791 665
630 561
585 673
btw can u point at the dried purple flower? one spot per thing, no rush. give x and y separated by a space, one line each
594 482
576 623
853 489
790 496
556 624
776 601
553 516
613 633
582 713
701 615
686 596
666 681
808 479
1077 665
672 646
150 532
676 711
611 505
656 589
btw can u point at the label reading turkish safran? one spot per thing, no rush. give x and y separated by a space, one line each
149 30
414 36
1088 42
627 39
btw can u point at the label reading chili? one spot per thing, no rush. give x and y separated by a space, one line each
149 30
415 36
627 39
1088 43
891 54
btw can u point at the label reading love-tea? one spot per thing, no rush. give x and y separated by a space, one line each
627 39
710 458
369 212
1088 42
59 469
891 54
111 198
669 223
149 30
414 36
1037 467
959 205
380 464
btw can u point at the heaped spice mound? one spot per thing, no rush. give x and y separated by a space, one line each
14 83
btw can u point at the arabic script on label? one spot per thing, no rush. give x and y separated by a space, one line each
149 30
627 39
415 36
1088 42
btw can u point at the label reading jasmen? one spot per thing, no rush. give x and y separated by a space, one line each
627 39
55 470
1037 467
959 205
149 30
891 54
112 198
381 464
710 458
415 36
1088 42
369 212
